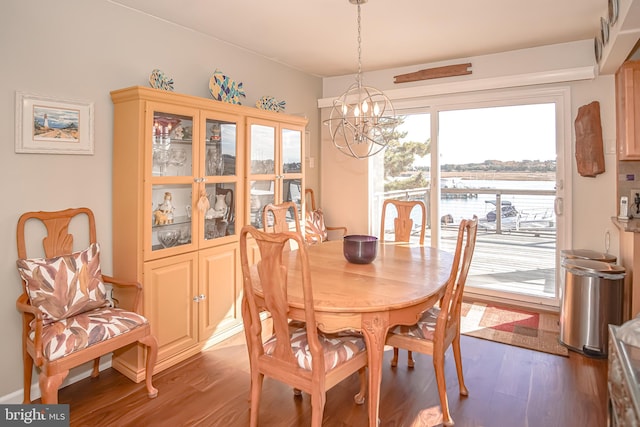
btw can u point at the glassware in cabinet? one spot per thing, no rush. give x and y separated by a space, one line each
172 144
171 223
220 217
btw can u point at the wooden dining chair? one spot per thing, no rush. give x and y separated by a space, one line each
304 358
402 229
67 319
402 223
277 217
316 231
439 327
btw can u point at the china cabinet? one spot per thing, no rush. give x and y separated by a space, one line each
179 202
628 110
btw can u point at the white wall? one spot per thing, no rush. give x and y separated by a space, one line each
344 189
84 49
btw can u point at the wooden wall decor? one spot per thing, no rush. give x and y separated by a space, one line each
589 145
434 73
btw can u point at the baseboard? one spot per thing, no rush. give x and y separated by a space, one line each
17 396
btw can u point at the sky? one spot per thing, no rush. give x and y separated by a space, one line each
517 133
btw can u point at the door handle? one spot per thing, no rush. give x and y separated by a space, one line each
558 206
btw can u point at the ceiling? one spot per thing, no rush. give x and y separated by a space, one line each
319 37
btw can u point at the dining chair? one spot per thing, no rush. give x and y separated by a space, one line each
67 319
316 231
305 358
277 217
402 223
402 229
439 327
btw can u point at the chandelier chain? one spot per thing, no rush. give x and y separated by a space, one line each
358 77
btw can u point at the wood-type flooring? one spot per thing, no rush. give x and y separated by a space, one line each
508 387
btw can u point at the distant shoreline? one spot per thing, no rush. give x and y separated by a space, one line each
504 176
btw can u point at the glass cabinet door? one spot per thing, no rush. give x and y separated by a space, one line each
291 167
171 155
275 168
263 150
220 180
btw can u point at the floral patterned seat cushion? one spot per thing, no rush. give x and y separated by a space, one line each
66 285
86 329
338 347
315 228
423 329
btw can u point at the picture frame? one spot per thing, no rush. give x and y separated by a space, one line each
53 125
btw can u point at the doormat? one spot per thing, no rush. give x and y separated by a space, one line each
527 329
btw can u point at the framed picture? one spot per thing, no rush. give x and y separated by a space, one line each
53 125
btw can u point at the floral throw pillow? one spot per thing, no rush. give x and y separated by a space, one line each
315 229
64 286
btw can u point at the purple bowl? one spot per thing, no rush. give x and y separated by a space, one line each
360 249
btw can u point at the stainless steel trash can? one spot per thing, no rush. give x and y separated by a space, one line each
586 254
592 299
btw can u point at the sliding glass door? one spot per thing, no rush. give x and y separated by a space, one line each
503 160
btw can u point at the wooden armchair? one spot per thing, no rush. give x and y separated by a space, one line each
66 315
302 357
403 224
439 327
316 231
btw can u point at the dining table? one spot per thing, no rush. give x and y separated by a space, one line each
403 281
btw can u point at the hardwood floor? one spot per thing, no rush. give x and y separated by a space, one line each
508 387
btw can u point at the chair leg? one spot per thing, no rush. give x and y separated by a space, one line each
96 368
318 400
256 390
438 366
410 361
27 366
394 361
49 386
359 398
152 354
457 355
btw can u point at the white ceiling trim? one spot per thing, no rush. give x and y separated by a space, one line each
502 82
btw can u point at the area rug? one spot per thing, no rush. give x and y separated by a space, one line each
532 330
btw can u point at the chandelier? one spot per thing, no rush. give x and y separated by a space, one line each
362 119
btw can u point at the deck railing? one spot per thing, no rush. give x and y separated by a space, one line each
524 211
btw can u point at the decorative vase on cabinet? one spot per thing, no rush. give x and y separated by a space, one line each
193 149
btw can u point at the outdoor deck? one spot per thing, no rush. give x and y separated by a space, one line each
515 254
513 262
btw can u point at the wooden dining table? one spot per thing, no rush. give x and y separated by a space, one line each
402 282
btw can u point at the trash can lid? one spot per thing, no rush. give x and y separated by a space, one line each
587 254
596 268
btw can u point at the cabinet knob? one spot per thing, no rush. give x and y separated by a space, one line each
196 299
202 297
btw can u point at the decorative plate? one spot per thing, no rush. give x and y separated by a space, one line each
271 104
604 30
158 80
597 47
225 89
613 12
